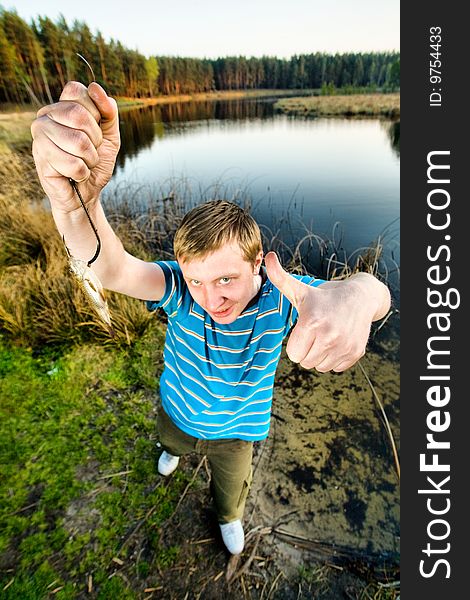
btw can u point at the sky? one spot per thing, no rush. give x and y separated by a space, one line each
212 28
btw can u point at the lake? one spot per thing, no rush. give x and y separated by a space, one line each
338 178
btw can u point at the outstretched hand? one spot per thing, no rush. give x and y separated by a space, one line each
334 318
76 138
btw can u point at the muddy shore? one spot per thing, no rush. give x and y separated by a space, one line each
326 473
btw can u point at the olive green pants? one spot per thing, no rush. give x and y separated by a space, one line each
229 461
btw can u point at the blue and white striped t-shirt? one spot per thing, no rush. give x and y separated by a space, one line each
218 379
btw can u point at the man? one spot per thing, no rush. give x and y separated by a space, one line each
227 314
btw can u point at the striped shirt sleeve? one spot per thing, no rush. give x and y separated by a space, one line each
174 289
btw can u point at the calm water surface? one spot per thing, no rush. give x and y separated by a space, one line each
296 173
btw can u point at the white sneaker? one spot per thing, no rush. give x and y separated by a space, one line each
233 536
167 463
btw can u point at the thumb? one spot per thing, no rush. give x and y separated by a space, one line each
293 289
108 110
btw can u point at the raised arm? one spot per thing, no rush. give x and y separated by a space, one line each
78 138
334 321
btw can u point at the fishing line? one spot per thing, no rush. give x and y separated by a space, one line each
88 65
74 185
98 247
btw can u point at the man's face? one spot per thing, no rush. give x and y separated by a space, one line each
223 282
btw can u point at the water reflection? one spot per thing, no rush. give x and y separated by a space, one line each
138 131
140 126
394 136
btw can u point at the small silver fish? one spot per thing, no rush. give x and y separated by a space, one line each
92 288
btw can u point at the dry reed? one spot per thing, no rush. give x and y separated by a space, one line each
363 105
39 301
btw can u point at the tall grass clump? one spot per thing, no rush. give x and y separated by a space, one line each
40 303
14 130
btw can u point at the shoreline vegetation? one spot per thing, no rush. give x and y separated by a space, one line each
84 513
311 103
124 102
355 105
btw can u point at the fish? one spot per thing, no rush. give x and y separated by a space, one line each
92 288
87 279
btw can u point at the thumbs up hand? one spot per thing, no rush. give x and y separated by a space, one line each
334 318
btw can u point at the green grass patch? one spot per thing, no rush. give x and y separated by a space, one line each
77 435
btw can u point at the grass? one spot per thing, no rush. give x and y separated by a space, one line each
214 95
14 129
77 435
360 105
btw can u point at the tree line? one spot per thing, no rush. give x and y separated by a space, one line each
37 59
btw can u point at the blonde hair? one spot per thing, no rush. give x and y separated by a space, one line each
211 225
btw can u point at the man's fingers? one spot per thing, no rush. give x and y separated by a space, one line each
73 117
293 289
312 352
67 117
299 344
105 104
52 163
65 140
76 92
329 364
324 350
334 359
344 366
98 103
